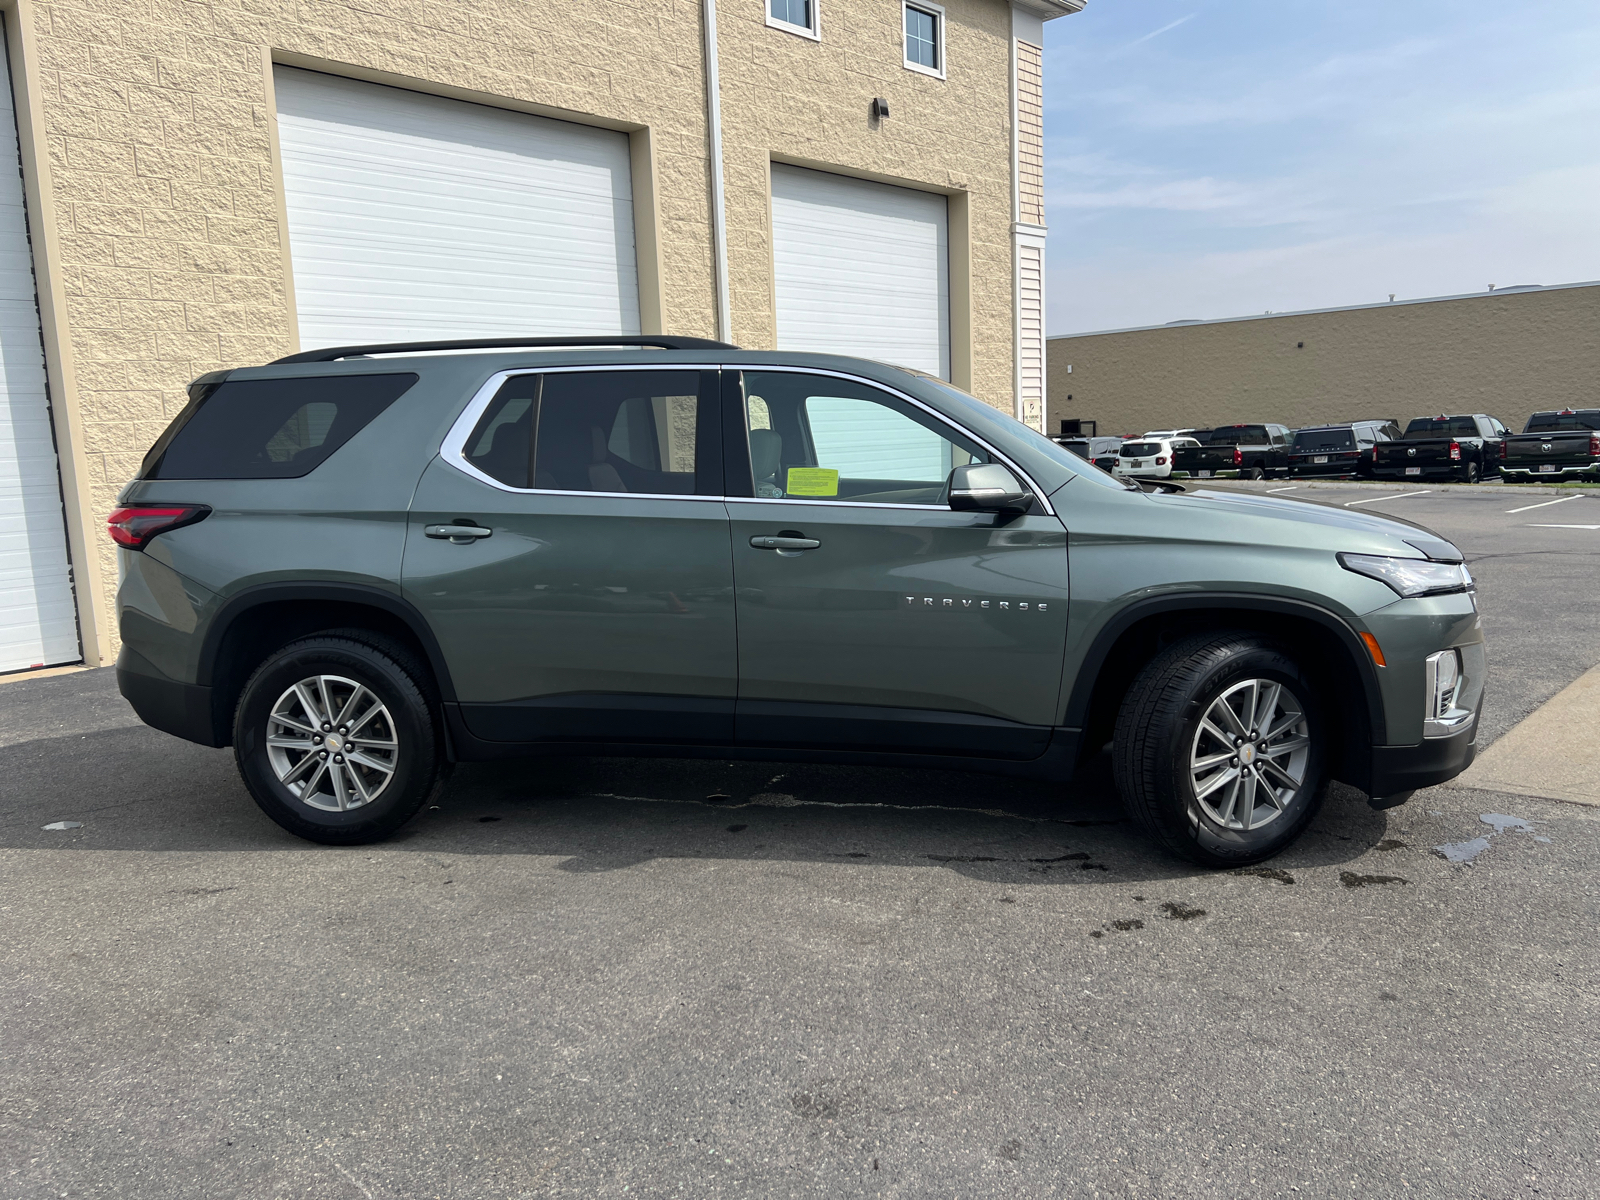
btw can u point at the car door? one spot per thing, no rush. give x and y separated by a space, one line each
871 616
569 548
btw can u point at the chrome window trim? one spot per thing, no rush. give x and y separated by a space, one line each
453 450
1038 492
862 504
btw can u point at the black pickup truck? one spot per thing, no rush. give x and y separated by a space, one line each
1445 447
1255 451
1555 445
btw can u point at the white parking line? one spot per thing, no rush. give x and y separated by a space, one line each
1563 527
1375 499
1275 491
1544 503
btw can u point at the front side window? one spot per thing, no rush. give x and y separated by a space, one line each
592 431
796 16
816 437
924 24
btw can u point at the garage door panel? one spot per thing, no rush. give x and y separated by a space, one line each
861 268
414 216
38 618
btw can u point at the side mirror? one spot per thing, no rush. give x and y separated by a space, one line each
988 487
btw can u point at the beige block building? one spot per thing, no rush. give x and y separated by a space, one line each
210 183
1508 353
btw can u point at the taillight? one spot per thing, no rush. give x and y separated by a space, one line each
1594 445
1455 451
1161 462
1238 457
134 527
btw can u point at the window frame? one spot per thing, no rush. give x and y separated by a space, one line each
940 49
813 31
736 474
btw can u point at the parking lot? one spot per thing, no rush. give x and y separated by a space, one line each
605 978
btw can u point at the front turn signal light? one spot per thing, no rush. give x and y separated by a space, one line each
1373 648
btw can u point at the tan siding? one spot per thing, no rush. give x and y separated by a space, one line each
1030 333
1030 133
1507 355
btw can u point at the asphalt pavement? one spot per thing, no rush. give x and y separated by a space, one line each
612 978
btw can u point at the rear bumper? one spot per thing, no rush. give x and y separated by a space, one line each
1587 470
181 709
1436 760
1428 472
1326 471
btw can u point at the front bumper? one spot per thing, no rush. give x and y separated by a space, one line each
1435 760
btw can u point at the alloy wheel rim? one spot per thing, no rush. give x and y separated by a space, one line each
332 743
1249 755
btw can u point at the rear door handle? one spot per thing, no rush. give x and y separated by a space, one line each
460 535
773 542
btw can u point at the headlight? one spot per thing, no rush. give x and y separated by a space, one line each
1410 576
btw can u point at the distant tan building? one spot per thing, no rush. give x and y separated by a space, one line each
211 183
1508 353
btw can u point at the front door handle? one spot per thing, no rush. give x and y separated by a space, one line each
779 542
459 535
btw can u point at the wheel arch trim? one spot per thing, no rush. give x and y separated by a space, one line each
261 595
1094 659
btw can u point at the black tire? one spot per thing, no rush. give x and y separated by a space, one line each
410 718
1253 473
1157 732
1469 473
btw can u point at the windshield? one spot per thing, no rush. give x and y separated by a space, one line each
1139 449
1239 435
1432 427
1324 439
1554 422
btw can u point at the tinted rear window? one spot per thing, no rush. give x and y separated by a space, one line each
1308 440
1432 427
1239 435
270 428
1555 422
1139 449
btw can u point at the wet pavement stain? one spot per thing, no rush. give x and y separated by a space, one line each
1351 879
737 828
1178 911
1390 844
1461 852
1127 923
1273 873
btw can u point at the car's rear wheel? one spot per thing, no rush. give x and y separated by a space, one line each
1253 473
1220 748
1469 473
337 740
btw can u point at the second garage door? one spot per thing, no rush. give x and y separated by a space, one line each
861 268
414 216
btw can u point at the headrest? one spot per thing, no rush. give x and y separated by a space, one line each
766 453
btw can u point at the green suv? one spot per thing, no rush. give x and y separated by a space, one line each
362 565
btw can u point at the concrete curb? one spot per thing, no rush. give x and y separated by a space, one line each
1552 753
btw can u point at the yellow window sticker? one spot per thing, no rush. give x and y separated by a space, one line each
813 481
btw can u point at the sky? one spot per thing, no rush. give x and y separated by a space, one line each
1224 158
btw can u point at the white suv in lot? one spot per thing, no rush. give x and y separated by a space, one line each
1149 457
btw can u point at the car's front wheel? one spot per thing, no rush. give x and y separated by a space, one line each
1220 748
336 739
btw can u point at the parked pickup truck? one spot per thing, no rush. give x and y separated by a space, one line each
1255 451
1444 447
1560 445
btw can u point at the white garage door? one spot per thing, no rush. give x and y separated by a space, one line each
861 268
38 626
413 217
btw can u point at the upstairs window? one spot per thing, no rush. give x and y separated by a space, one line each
924 28
794 16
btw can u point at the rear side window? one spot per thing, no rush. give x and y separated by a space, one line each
594 431
270 428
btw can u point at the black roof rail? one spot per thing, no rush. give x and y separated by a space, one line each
334 353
